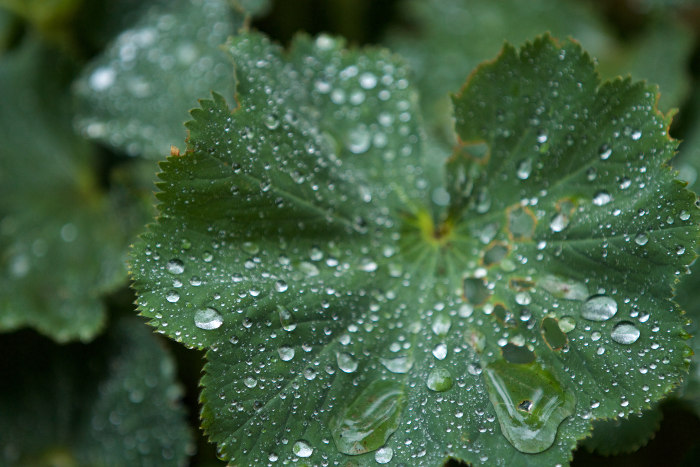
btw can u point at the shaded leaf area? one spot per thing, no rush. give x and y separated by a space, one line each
112 402
136 94
347 323
61 244
444 41
611 437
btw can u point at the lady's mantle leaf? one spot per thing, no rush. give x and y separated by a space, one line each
112 402
345 326
61 245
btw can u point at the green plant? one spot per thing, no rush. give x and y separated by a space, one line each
376 275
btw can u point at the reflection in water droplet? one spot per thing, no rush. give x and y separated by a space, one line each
175 266
559 222
208 318
530 403
302 449
383 455
625 333
346 362
399 365
641 239
439 380
368 421
599 308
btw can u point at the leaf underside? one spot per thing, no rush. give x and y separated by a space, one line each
348 320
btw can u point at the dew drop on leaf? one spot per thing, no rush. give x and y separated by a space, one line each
641 239
524 169
286 353
559 222
172 296
439 380
625 332
302 449
602 198
400 365
599 308
207 319
383 455
529 402
605 152
175 266
346 362
440 351
368 421
286 319
441 325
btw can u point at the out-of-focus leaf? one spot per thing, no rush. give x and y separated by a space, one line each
348 322
61 246
112 402
611 437
136 94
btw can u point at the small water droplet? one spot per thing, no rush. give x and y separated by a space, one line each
359 139
602 198
286 319
250 382
302 449
604 152
559 222
625 332
172 296
641 239
636 135
281 286
272 121
441 325
346 362
368 80
684 215
439 380
524 169
383 455
440 351
207 319
286 353
599 308
175 266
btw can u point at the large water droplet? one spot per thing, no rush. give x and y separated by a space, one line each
524 169
175 266
599 308
302 449
287 319
286 353
559 222
359 140
383 455
346 362
441 324
440 351
625 332
439 380
602 198
530 403
399 365
368 421
208 318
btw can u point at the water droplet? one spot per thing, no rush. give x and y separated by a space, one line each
559 222
440 351
599 308
281 286
636 135
641 239
684 215
286 353
439 380
271 121
346 362
367 265
383 455
286 319
602 198
359 140
524 169
530 403
172 296
368 421
175 266
250 382
625 332
102 78
368 80
605 151
399 365
302 449
208 318
441 324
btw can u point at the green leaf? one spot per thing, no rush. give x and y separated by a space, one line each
112 402
136 94
61 245
350 320
612 437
